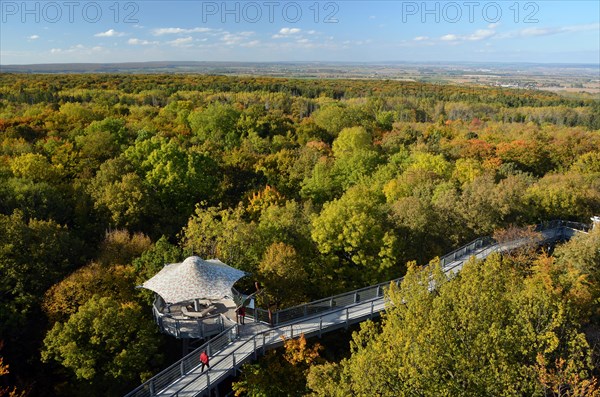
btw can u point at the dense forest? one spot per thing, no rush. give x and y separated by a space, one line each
314 187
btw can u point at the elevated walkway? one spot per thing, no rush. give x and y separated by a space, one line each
238 344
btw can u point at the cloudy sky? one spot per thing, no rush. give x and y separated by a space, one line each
274 30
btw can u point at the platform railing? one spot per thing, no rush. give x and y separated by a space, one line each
258 343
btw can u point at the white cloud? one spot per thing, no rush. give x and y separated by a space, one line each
582 28
110 33
181 42
421 38
548 31
236 38
537 32
78 49
163 31
480 34
449 37
286 32
289 31
135 41
33 37
251 44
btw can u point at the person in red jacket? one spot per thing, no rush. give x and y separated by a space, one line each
204 360
242 314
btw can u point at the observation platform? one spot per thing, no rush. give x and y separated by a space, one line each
198 319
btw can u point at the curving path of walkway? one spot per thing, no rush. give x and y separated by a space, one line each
242 343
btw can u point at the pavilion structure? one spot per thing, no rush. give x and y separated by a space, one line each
194 298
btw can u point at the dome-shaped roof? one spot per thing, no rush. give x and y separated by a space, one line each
194 278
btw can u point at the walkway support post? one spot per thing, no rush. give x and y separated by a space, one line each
151 387
347 318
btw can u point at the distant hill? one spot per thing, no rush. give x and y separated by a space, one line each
130 67
271 67
572 78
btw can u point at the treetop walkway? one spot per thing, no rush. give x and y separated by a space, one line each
238 344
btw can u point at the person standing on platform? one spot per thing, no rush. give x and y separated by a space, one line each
242 314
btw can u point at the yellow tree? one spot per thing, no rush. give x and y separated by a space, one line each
280 374
482 333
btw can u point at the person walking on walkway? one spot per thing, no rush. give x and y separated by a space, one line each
204 360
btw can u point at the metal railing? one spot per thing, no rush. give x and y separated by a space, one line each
327 311
199 328
475 247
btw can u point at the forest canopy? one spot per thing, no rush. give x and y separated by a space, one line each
312 186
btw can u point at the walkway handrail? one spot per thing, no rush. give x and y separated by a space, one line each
299 311
279 332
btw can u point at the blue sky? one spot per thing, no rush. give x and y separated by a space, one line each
281 30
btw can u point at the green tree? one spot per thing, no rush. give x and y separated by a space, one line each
281 272
33 256
223 234
322 185
216 123
351 140
334 118
582 255
179 177
107 344
121 193
152 260
34 167
354 228
290 224
355 158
